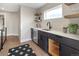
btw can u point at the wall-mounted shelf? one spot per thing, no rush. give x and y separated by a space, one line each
38 20
69 4
75 15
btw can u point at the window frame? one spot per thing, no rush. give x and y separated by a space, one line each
53 9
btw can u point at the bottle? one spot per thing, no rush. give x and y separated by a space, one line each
65 29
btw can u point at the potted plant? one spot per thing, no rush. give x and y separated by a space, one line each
73 28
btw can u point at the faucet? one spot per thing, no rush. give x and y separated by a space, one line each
49 25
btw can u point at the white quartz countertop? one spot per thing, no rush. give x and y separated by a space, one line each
68 35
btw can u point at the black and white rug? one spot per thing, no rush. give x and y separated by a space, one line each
22 50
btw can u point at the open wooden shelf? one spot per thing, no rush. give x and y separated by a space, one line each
75 15
68 4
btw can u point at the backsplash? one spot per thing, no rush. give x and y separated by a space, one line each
57 24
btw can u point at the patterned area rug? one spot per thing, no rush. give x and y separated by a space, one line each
22 50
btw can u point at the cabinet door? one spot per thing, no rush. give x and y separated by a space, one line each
40 43
43 40
68 51
45 43
70 42
39 39
64 50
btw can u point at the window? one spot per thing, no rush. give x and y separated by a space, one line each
55 12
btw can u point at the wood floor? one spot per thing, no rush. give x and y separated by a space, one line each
13 41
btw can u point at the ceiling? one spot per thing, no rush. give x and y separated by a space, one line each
13 7
34 5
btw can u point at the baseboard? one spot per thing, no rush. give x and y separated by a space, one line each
12 35
21 40
24 40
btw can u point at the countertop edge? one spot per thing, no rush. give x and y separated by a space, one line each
67 35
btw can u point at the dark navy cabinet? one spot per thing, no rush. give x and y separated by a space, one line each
43 40
68 51
67 46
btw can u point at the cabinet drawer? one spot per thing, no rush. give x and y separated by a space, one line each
70 42
68 51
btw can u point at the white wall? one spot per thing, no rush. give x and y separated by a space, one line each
11 22
26 20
